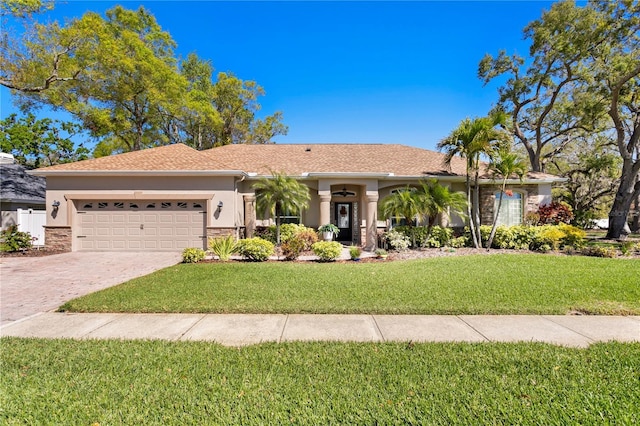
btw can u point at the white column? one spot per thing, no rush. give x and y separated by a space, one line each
372 222
325 208
249 215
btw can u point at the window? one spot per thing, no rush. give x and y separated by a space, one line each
197 205
181 205
103 205
288 217
511 210
165 205
151 206
118 205
133 206
88 206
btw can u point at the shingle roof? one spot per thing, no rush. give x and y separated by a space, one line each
292 159
177 157
400 160
17 185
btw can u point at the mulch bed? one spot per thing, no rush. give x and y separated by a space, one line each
31 253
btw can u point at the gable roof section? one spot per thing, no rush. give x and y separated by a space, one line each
19 186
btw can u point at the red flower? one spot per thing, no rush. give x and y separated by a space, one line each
509 193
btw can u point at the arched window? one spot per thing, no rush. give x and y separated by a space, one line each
512 208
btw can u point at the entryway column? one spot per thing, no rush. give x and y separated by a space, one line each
249 215
372 222
325 209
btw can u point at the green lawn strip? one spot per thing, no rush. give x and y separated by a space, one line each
156 382
495 284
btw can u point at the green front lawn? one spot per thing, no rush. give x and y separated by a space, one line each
168 383
480 284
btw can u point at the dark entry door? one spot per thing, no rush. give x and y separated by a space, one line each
343 220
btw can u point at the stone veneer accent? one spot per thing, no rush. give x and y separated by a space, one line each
58 238
221 232
530 194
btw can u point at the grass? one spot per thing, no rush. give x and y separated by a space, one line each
495 284
169 383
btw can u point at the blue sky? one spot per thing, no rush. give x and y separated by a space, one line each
347 72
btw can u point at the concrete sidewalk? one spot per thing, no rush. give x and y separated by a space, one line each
238 330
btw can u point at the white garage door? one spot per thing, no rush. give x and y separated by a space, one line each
140 225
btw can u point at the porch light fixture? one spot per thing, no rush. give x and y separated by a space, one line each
220 205
55 204
344 192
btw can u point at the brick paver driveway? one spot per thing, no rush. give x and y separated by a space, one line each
29 285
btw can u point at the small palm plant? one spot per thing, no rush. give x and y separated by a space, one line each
505 163
279 194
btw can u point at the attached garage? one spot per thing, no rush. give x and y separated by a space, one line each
140 224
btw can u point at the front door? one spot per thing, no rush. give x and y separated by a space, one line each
343 220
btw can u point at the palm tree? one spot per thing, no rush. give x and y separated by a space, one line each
438 199
471 140
505 164
280 194
403 203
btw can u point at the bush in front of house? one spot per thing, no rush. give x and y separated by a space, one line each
223 247
597 251
12 240
193 255
438 237
554 213
255 249
537 238
327 251
397 241
287 231
292 248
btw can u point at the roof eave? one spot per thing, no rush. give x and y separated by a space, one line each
138 173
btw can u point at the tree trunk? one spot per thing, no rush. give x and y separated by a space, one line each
628 191
494 226
635 221
472 227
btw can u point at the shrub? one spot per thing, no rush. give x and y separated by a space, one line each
14 240
255 249
438 237
223 247
327 251
397 240
355 252
554 213
287 231
381 252
573 236
549 236
458 242
599 251
193 255
308 236
627 248
292 248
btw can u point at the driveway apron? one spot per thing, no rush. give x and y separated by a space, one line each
29 285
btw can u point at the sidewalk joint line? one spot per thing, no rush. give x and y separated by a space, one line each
384 339
100 326
568 328
190 328
284 326
473 328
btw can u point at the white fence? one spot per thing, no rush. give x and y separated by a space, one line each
33 222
